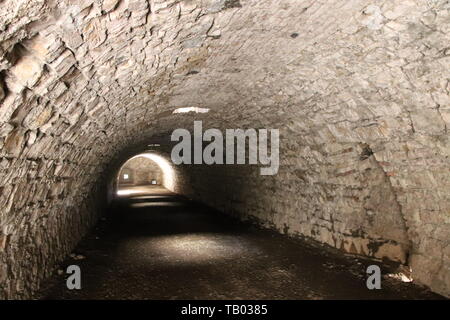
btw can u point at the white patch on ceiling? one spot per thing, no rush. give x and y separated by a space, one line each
191 109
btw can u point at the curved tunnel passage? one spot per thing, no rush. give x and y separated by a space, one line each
157 244
358 89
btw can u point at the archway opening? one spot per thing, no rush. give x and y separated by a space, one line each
144 173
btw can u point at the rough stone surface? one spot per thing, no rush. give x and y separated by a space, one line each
140 171
82 80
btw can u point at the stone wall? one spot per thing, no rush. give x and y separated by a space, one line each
347 202
360 89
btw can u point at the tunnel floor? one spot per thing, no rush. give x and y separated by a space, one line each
158 245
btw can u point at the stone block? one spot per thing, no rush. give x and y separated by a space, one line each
5 129
2 91
94 33
428 121
9 106
109 5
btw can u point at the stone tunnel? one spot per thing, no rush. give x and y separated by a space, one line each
359 90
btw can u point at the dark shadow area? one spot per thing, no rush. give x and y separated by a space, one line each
171 248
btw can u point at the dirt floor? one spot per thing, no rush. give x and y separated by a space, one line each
162 246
